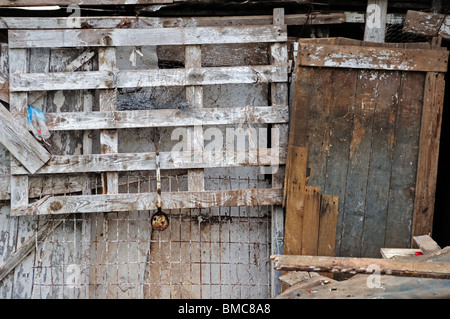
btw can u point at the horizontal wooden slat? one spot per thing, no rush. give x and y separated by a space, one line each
147 201
146 78
166 117
142 37
427 24
65 164
379 58
20 143
141 22
26 3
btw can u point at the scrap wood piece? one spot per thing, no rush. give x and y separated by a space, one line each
294 277
20 143
427 24
377 58
27 3
426 244
28 245
429 269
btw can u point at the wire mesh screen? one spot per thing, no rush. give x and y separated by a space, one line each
205 253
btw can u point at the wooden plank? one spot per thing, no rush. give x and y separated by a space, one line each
376 18
109 140
165 117
27 3
310 232
358 168
295 200
194 96
20 143
143 37
399 252
327 225
378 58
362 265
380 165
146 78
427 24
28 246
123 162
18 104
278 96
147 201
427 166
404 161
339 136
426 244
143 22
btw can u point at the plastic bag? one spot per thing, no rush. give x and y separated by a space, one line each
36 123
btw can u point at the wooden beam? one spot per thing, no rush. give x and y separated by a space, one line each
123 162
147 201
21 82
427 24
327 225
310 231
21 143
166 117
378 58
143 37
427 165
376 17
438 270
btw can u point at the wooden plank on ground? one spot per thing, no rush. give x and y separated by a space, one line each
426 244
147 201
21 143
146 78
379 58
427 166
353 265
143 37
427 24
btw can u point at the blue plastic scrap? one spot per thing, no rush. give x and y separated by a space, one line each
37 123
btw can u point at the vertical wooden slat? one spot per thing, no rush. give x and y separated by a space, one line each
310 231
100 275
279 96
404 161
358 168
18 104
376 17
327 225
194 96
383 140
428 154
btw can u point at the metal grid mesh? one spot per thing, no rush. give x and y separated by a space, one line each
205 253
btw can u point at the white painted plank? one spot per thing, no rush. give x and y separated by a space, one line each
147 201
65 164
143 37
376 17
166 117
146 78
